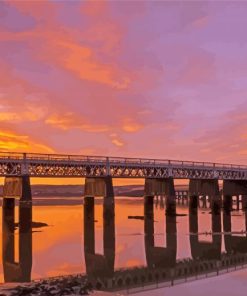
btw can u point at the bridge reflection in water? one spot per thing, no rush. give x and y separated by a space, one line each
205 250
162 266
97 264
157 257
16 271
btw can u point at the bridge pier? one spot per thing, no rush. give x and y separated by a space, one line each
155 186
100 186
207 187
17 187
235 187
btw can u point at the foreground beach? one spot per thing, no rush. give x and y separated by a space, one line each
227 284
70 285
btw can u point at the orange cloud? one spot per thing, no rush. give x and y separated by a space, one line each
80 59
10 141
8 116
117 142
31 114
243 152
131 126
70 120
65 51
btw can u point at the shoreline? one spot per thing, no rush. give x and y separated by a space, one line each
60 285
77 284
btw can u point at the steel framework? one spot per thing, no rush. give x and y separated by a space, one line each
55 165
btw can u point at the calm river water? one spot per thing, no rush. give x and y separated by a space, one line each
60 247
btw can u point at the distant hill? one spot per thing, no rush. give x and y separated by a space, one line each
78 190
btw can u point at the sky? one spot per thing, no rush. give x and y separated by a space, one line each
155 79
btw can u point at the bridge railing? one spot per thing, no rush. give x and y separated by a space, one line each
11 155
117 160
178 163
60 157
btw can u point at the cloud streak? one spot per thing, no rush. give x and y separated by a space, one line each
151 79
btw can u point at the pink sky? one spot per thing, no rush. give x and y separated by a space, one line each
142 79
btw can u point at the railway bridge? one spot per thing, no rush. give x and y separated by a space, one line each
98 171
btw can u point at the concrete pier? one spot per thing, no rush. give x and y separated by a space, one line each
155 187
101 186
163 187
235 188
204 187
17 187
210 188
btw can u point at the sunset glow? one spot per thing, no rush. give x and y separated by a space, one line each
138 79
123 147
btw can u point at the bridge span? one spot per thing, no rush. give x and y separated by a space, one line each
98 171
57 165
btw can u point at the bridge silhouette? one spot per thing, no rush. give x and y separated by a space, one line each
159 175
162 266
58 165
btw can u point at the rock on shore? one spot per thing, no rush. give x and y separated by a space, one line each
72 285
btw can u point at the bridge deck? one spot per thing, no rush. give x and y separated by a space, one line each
56 165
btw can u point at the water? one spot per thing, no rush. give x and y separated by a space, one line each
62 247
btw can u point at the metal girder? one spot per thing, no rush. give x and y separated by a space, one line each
52 165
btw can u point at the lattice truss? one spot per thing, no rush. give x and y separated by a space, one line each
10 168
40 168
185 173
138 171
66 170
129 171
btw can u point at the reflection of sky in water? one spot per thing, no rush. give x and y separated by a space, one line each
58 249
225 285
